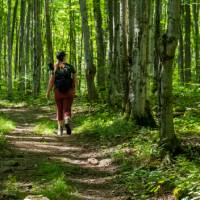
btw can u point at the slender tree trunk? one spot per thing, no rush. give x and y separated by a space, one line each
158 13
49 44
111 86
9 56
90 68
37 49
131 7
196 8
187 42
110 30
181 51
141 109
21 49
27 47
80 64
1 39
124 53
100 45
17 51
114 91
168 138
14 21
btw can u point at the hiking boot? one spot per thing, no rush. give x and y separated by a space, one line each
68 125
60 130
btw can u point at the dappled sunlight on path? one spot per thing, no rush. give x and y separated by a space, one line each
92 179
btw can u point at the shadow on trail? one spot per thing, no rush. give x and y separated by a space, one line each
28 152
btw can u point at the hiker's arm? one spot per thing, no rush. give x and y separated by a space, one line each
50 85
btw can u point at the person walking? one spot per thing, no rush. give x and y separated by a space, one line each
63 81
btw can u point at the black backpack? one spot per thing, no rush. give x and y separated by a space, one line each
63 78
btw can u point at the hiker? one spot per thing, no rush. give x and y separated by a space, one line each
63 80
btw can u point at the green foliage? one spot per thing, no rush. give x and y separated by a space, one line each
103 126
57 188
3 143
12 189
187 104
6 125
45 127
144 175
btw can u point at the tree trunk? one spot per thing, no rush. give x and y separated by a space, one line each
124 54
181 51
100 46
196 7
114 90
131 11
90 68
9 56
27 47
49 44
21 49
1 39
14 20
168 138
158 13
17 51
187 42
37 49
110 30
141 109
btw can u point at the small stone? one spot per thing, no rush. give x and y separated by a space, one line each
36 197
93 161
105 162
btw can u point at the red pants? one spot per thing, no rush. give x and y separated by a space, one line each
63 103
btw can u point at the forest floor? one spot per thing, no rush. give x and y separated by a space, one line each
106 158
52 164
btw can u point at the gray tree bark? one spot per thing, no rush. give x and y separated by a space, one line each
100 46
181 51
158 13
9 56
124 54
169 42
22 49
187 42
196 8
27 47
49 44
37 49
140 106
90 68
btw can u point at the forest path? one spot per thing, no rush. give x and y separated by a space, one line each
88 169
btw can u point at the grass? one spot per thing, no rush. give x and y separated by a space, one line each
49 180
45 127
6 126
14 104
56 184
187 101
103 126
142 175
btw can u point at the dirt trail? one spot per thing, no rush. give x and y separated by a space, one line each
88 169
